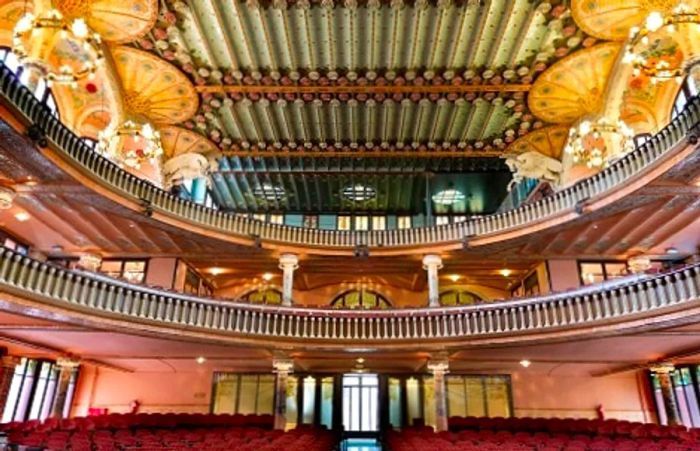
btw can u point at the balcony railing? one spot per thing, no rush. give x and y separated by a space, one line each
99 295
78 153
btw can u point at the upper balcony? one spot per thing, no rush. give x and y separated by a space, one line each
641 302
647 162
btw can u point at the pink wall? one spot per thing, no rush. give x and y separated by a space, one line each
155 391
534 394
542 395
563 274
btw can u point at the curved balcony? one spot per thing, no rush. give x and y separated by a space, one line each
41 289
612 182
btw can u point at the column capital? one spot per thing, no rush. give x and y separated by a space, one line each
432 261
662 368
289 261
67 363
282 365
438 366
90 261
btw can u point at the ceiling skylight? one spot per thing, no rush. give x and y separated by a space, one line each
448 197
269 191
359 192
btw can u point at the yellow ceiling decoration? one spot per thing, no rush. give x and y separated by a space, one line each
573 86
612 19
178 140
115 20
646 106
548 141
10 13
153 87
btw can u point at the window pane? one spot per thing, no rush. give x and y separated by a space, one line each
248 394
404 222
344 222
112 268
592 273
361 223
442 220
615 270
378 222
277 219
226 391
309 397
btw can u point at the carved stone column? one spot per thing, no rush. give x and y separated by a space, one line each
282 368
663 374
439 368
66 367
432 263
8 364
288 263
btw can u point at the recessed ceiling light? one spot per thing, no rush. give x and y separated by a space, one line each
215 271
359 193
200 360
454 277
269 191
267 276
360 360
22 216
506 272
525 363
671 250
448 197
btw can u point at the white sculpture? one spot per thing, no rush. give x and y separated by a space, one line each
186 166
533 165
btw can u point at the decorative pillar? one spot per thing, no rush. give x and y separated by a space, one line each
663 374
439 368
66 367
432 263
8 364
282 368
288 263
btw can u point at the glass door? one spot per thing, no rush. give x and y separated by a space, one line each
360 402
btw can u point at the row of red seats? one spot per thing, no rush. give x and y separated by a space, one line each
179 439
423 439
141 420
606 428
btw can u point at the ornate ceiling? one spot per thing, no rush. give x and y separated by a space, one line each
306 98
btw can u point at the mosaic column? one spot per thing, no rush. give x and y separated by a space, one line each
432 263
66 368
288 264
663 374
282 369
439 368
8 364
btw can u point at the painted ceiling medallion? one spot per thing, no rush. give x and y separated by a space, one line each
574 86
177 141
548 141
153 87
10 13
613 19
115 20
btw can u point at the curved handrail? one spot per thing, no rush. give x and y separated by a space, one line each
589 306
129 186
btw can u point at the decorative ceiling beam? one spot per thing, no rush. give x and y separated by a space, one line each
355 89
255 153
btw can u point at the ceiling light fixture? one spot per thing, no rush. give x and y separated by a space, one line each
660 59
525 363
595 142
36 39
268 276
454 277
131 143
672 250
505 272
200 360
7 197
22 216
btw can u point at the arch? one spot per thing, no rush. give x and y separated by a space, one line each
458 296
267 296
360 300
